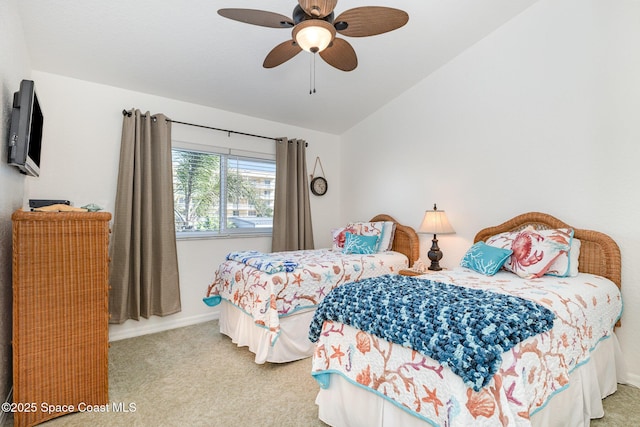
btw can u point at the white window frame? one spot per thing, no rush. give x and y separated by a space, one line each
224 231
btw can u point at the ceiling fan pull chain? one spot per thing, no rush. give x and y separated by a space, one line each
310 75
314 73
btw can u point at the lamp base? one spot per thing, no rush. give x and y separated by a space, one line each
435 255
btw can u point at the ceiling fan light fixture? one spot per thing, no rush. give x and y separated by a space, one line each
314 35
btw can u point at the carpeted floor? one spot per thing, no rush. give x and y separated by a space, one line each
194 376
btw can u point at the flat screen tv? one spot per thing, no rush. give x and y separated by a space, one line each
25 134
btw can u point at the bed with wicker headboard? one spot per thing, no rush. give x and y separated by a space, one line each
405 239
270 312
599 253
557 377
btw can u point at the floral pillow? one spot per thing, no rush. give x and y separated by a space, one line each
359 244
534 251
384 230
339 235
367 228
485 259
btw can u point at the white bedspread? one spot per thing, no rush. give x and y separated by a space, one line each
586 309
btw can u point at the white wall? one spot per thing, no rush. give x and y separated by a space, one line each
14 66
82 131
541 115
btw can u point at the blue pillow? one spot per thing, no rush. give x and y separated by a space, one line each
358 244
485 259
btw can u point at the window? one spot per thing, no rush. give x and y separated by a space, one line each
217 193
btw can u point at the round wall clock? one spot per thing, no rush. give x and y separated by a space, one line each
319 186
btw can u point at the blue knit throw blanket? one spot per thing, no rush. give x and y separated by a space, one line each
462 328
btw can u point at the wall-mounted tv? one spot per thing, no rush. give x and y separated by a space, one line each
25 134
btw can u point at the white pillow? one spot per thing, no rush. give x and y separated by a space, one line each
386 240
565 265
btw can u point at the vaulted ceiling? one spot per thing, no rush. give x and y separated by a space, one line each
184 50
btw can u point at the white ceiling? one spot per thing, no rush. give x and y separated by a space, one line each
184 50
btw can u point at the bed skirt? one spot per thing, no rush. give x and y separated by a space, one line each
348 404
292 343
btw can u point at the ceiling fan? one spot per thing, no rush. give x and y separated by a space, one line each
314 29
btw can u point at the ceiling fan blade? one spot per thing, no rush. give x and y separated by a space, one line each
369 21
340 54
257 17
281 54
318 8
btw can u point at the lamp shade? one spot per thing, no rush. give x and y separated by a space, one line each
436 222
314 35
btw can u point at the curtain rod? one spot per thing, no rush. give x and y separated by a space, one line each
128 114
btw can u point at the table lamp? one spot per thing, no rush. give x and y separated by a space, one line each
435 222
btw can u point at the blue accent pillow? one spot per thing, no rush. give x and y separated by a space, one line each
358 244
485 259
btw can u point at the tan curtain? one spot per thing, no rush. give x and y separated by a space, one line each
292 213
144 265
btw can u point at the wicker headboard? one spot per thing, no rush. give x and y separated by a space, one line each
599 253
405 240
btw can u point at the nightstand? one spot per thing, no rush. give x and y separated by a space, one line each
410 272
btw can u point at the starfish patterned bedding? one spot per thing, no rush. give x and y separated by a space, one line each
433 375
295 280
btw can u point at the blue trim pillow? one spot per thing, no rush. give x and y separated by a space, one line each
359 244
485 259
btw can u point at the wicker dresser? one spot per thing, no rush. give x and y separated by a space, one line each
60 313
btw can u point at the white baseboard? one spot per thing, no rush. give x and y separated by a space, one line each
165 325
633 379
4 415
